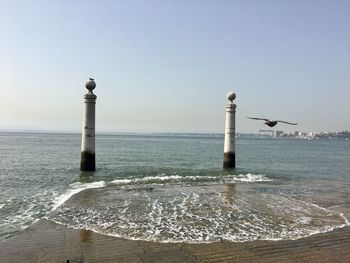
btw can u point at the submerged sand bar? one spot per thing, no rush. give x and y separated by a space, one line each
46 241
196 213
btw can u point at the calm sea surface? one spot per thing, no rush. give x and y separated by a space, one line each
173 188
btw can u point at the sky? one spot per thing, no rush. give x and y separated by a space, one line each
166 66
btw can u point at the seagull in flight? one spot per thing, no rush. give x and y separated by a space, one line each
271 123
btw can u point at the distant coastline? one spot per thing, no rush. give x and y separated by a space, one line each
342 135
339 135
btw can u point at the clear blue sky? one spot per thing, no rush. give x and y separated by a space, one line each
167 65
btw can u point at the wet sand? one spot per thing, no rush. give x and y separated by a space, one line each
46 241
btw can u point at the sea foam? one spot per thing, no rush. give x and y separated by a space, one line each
162 179
198 214
77 187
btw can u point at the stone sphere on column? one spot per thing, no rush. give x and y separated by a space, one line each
90 84
231 96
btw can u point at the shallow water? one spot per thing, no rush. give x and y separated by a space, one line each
195 213
172 188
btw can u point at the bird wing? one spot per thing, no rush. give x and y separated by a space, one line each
288 122
262 119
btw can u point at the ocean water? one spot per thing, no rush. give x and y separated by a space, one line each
172 188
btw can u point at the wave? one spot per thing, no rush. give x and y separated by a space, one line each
77 187
251 178
162 179
74 189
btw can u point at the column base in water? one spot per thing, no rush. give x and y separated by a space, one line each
229 160
87 161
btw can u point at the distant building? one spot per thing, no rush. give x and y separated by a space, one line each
311 134
279 134
266 132
296 134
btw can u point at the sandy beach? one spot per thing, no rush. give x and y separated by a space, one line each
46 241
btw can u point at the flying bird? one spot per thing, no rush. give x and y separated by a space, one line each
271 123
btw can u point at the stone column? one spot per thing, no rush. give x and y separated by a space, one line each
230 131
87 160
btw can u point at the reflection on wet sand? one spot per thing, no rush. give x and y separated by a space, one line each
229 193
86 245
85 235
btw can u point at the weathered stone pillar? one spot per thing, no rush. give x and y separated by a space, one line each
87 161
230 131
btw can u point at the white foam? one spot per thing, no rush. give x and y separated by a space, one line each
163 177
74 189
122 181
146 179
195 216
329 209
250 178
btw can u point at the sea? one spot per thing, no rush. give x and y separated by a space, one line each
172 187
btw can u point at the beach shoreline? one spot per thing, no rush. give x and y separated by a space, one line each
46 241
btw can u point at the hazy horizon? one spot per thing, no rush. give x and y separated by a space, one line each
167 66
25 130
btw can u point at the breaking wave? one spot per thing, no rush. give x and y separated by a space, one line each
162 179
74 189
